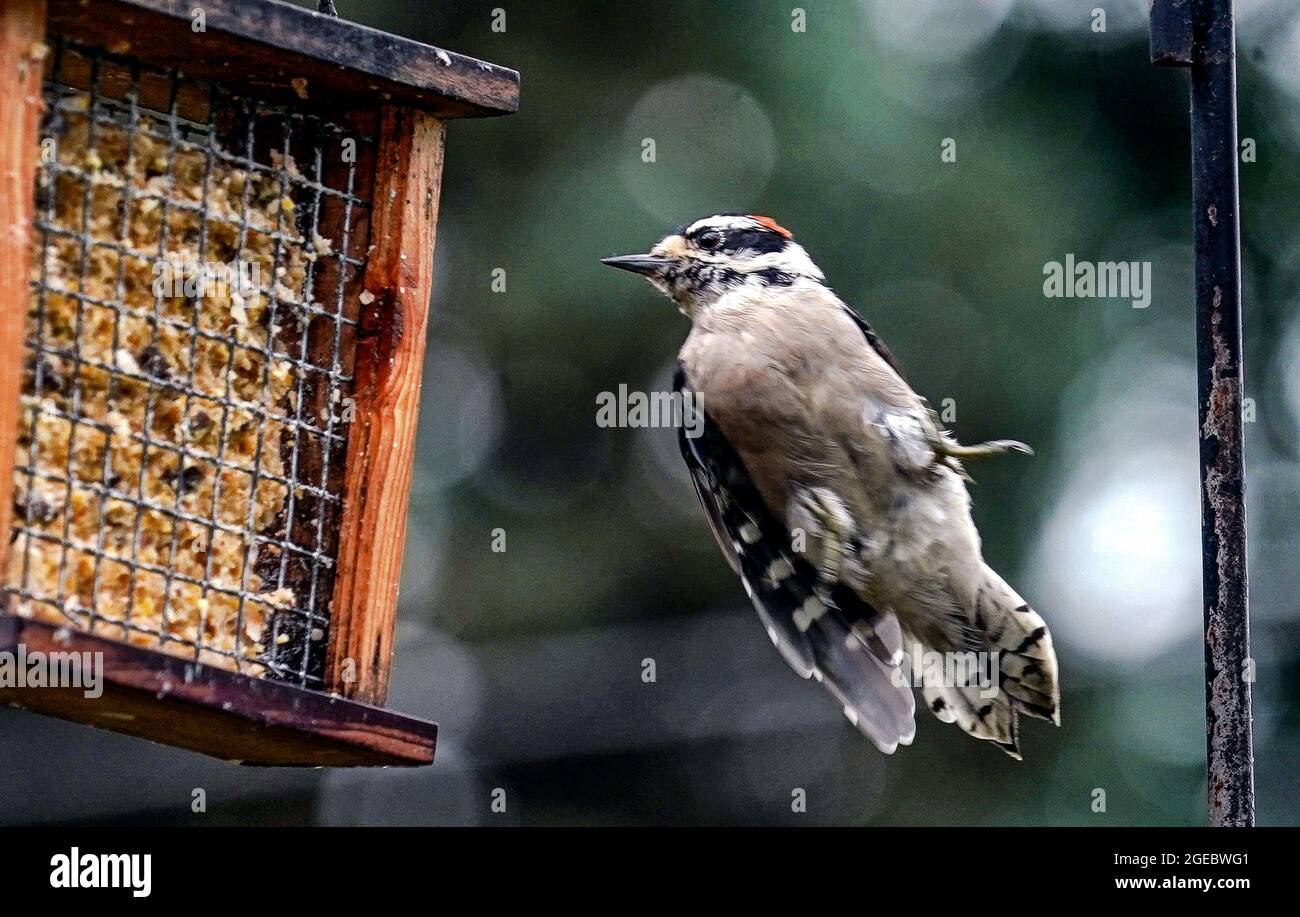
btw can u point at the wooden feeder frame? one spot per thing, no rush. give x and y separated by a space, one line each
409 90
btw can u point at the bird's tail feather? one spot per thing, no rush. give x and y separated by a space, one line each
1009 631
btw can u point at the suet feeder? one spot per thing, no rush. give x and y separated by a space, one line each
215 264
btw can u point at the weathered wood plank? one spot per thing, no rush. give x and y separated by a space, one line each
235 717
389 364
271 45
22 49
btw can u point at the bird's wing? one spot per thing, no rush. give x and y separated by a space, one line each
897 416
824 630
874 340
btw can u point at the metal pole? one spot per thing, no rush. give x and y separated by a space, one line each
1199 34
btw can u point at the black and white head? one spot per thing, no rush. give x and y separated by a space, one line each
698 263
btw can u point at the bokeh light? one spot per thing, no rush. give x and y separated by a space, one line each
713 146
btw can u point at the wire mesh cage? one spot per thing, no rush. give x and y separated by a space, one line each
218 357
188 368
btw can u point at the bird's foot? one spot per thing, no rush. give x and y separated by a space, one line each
831 528
950 448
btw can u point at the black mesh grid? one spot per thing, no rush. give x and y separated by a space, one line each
196 508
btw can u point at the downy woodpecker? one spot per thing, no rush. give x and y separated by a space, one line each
837 496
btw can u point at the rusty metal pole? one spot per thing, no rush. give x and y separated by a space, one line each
1198 34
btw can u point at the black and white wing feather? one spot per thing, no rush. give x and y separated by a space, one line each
823 629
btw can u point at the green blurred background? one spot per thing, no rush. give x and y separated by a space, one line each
1067 141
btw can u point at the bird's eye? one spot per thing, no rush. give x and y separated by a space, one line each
710 241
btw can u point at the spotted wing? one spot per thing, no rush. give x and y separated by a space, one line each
824 630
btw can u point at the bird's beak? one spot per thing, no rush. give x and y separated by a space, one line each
649 265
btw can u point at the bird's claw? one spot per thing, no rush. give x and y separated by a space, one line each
950 453
983 450
949 448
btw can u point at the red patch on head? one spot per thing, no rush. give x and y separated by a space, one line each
774 226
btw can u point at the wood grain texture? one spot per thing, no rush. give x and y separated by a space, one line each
229 716
22 49
389 364
270 44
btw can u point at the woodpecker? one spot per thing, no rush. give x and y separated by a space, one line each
837 495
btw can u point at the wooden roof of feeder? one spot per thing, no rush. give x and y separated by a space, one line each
275 45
